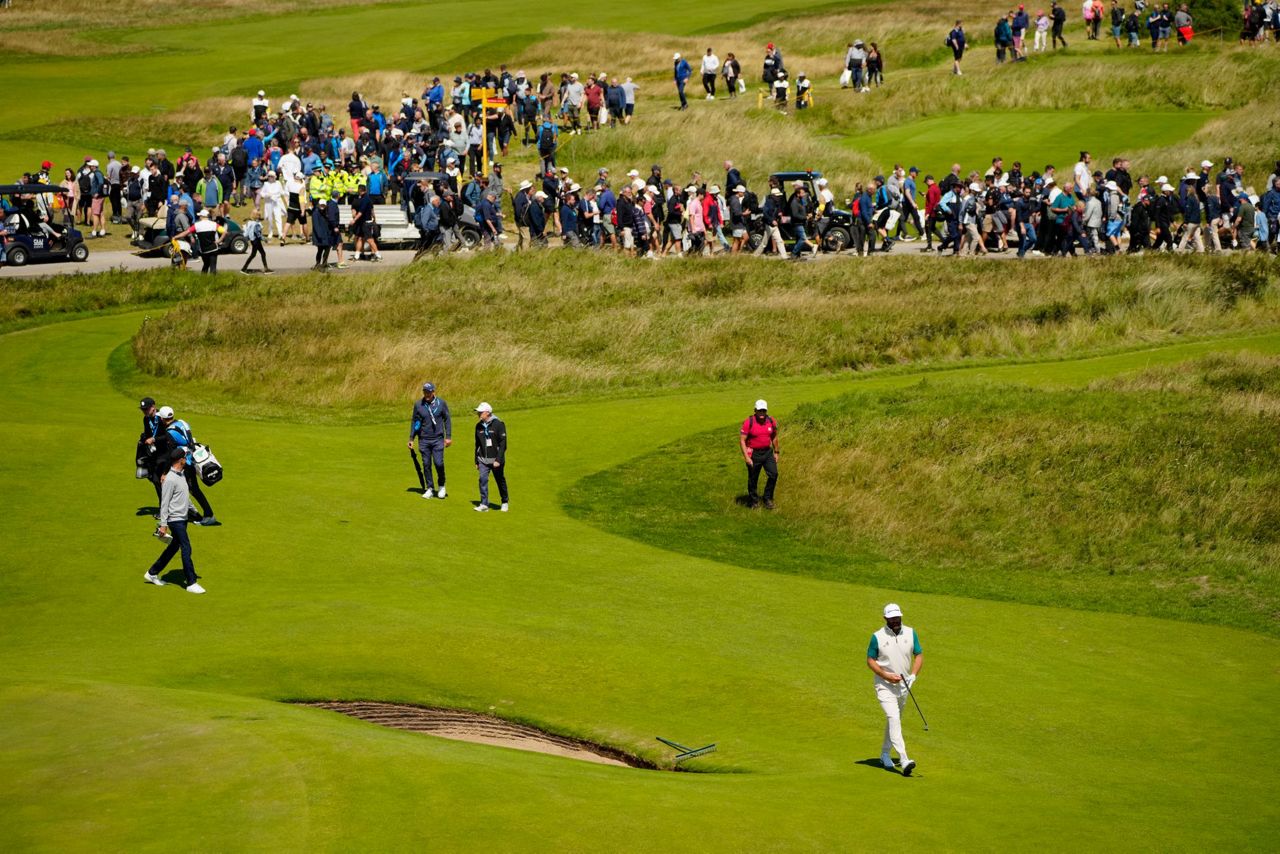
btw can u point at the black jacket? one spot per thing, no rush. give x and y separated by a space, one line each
491 440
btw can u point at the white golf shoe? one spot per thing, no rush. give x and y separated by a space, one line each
482 508
426 493
503 508
195 588
153 579
887 761
440 493
908 766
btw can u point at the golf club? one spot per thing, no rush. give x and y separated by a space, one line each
913 699
422 480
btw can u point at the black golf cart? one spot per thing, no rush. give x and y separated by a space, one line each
834 233
28 235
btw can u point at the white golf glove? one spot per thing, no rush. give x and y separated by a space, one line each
910 680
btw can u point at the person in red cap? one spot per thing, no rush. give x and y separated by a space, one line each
45 168
772 64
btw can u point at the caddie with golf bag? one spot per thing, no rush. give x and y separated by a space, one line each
148 464
176 433
895 657
432 426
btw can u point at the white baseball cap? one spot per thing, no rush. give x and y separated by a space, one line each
484 407
892 610
676 56
203 212
262 93
760 404
165 412
1206 164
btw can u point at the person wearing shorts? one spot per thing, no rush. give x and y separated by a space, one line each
295 211
955 41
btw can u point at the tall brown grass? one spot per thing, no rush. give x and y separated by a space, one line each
565 323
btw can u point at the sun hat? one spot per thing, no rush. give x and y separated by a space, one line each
714 190
760 404
892 610
524 185
484 407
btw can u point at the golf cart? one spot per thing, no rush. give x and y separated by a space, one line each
468 230
156 243
835 232
28 238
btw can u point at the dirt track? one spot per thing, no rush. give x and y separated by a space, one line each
482 729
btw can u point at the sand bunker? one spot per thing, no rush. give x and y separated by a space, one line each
473 726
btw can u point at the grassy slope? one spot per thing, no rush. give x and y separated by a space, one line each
534 325
1157 496
135 715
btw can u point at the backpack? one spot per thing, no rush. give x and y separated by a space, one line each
546 139
239 157
133 190
86 184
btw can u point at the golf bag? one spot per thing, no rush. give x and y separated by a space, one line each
142 461
208 469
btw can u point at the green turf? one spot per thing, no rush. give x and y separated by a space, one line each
138 717
1104 498
1036 138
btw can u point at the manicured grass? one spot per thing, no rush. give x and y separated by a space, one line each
139 717
1156 494
1034 137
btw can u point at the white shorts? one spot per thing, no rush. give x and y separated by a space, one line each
628 240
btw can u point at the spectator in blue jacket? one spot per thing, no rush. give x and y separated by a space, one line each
432 425
681 73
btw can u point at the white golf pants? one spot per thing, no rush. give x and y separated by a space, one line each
892 699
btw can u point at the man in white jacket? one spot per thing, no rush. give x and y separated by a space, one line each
710 65
895 657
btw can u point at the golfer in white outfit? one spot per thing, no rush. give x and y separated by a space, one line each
894 656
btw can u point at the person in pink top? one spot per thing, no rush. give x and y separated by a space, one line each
697 226
758 441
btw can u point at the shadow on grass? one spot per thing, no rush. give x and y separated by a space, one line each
876 764
147 511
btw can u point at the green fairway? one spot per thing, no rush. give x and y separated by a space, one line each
1033 137
329 580
1073 466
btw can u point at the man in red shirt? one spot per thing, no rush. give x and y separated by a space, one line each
932 195
758 441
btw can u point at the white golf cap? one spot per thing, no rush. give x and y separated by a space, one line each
634 173
692 188
892 610
1163 179
1206 164
165 412
262 93
1166 188
714 189
760 404
1112 185
775 192
484 407
975 187
739 189
822 182
203 212
93 163
675 56
135 170
539 195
